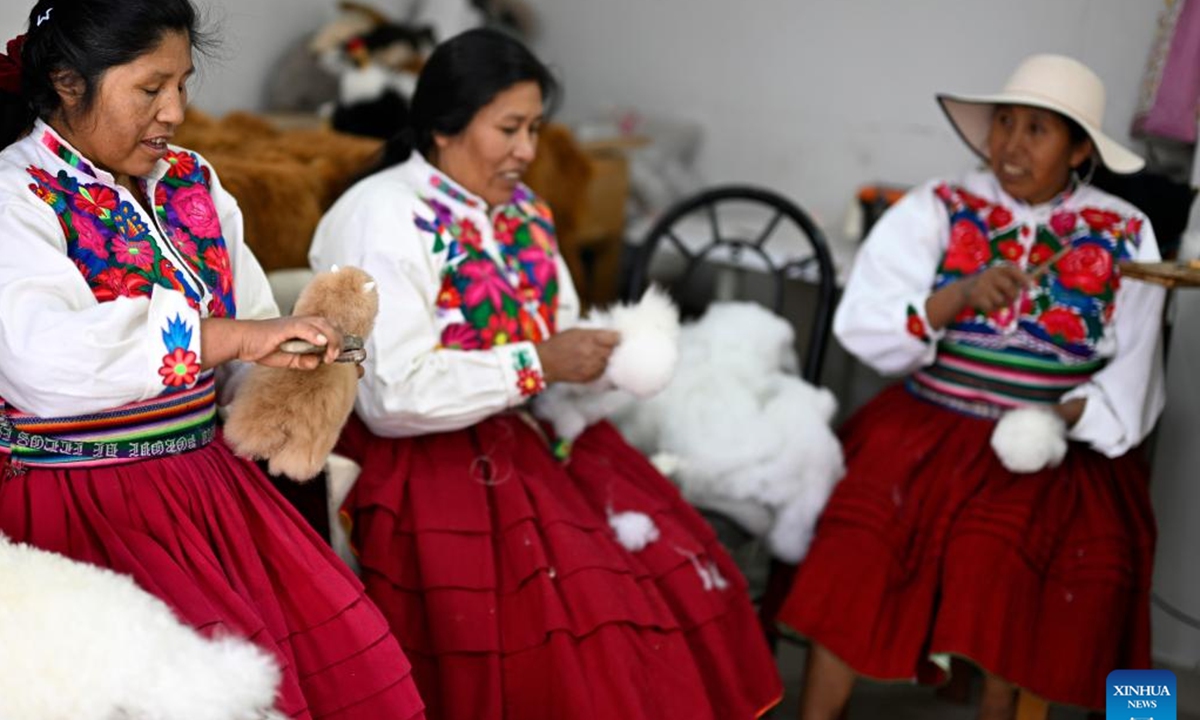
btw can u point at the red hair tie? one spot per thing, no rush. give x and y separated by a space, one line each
10 66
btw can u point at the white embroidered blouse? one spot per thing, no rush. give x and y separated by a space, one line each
465 293
1081 311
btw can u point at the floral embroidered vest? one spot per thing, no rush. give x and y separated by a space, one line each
112 244
1065 311
491 297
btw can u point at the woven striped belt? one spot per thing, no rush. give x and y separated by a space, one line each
163 426
986 383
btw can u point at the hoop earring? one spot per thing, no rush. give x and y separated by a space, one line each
1085 179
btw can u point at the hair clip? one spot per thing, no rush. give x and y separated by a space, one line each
44 16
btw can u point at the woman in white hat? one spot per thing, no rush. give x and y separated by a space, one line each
954 534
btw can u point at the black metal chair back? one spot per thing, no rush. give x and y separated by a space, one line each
814 259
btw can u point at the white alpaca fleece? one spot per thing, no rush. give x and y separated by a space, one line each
740 426
1029 439
78 642
634 530
640 366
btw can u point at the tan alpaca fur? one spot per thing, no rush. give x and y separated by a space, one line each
293 417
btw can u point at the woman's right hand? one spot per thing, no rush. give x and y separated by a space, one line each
258 341
988 291
577 355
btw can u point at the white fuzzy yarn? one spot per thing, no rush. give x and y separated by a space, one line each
1029 439
634 530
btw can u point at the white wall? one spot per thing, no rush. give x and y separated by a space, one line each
815 97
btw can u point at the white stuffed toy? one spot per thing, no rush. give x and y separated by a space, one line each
640 366
737 424
1030 439
79 642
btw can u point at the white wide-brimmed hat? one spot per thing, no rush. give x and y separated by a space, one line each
1054 82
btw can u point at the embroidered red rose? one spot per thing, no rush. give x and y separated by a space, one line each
1099 219
1061 322
195 209
968 250
181 164
1063 223
1011 250
530 382
1087 269
1040 254
999 217
179 368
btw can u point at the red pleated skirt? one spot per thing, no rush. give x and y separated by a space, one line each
495 564
929 548
208 534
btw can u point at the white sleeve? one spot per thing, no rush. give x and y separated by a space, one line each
1125 398
251 291
568 298
64 353
411 386
881 316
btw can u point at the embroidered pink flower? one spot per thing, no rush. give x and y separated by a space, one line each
1064 323
194 207
184 243
485 284
541 266
1063 223
179 368
1011 250
90 236
999 217
95 200
133 252
1086 268
1099 219
500 330
217 260
181 164
530 382
461 336
969 249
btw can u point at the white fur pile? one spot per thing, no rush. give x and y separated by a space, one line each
1029 439
78 642
741 426
640 366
